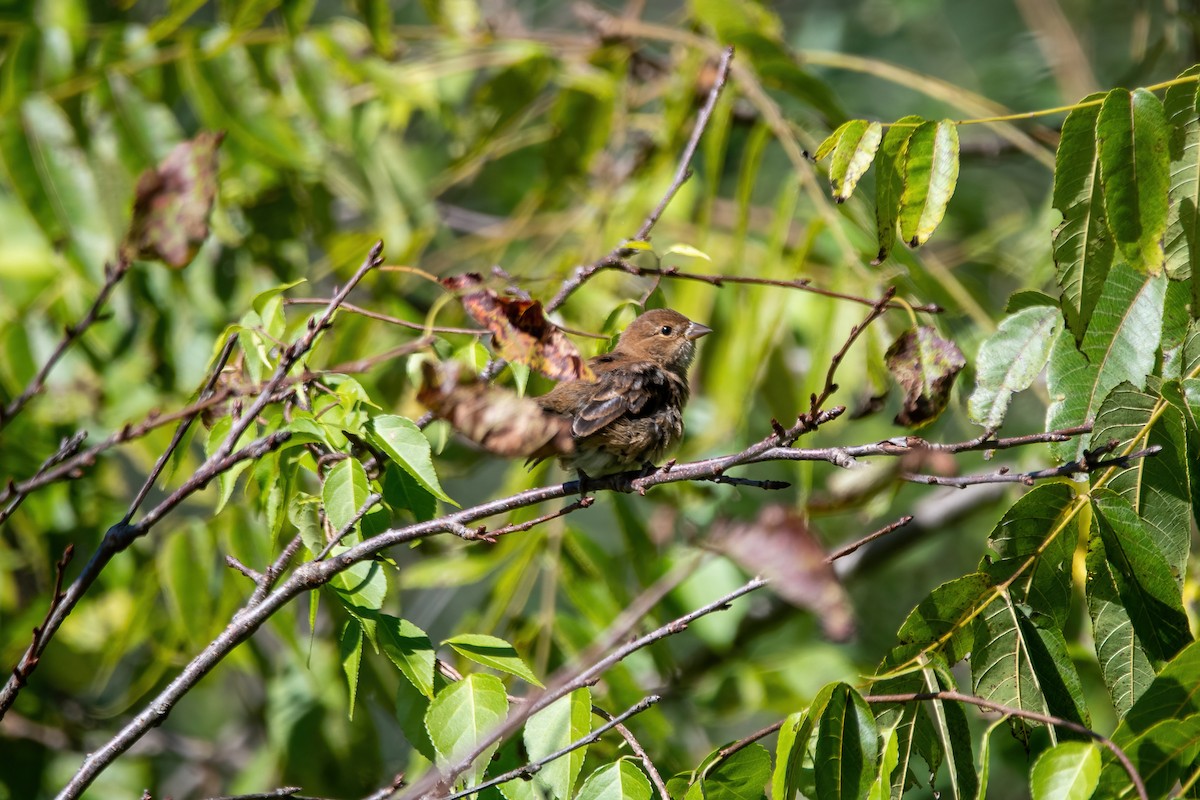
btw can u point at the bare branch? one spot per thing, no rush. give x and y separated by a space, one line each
846 550
682 173
639 751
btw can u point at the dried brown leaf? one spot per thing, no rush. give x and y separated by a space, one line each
173 201
520 330
925 365
780 546
494 418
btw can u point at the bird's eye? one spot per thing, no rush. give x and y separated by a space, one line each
665 330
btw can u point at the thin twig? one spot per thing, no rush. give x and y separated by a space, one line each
636 746
368 504
403 323
1002 475
112 276
21 671
682 172
533 767
182 429
846 550
877 309
1009 711
121 535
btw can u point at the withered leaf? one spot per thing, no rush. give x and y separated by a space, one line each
780 546
494 418
520 330
925 365
173 201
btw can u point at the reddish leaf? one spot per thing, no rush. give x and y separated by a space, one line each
520 330
494 418
173 201
780 546
925 365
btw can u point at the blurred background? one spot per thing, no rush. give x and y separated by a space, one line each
532 137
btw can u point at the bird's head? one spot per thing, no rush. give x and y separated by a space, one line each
665 337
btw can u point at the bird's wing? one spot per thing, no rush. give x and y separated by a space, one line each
622 389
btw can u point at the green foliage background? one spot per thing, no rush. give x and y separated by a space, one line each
465 136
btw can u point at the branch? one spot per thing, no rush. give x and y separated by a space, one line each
682 173
639 751
112 276
533 767
877 309
1009 711
121 535
1089 463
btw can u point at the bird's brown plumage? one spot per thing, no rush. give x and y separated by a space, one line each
632 413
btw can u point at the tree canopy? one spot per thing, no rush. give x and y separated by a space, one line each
276 280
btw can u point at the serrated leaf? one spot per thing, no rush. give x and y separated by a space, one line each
1124 665
1156 486
789 758
404 443
1009 360
853 156
1148 590
942 612
351 648
1083 246
930 175
362 587
401 491
493 652
409 648
564 721
620 780
1120 344
889 182
461 715
888 761
741 776
344 493
1181 256
847 748
411 706
1132 137
1068 771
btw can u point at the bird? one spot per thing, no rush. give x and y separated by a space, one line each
631 413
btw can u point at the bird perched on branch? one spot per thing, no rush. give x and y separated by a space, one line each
627 413
632 413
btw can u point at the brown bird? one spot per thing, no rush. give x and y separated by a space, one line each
632 413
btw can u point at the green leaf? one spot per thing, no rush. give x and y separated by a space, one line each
889 759
1009 360
1020 664
853 156
681 249
620 780
1083 247
1068 771
1148 590
831 141
847 748
402 492
930 175
362 587
985 760
1120 344
1182 248
351 652
1164 756
1172 695
1124 665
889 182
1132 136
1041 526
409 648
411 707
942 612
493 652
227 480
404 443
789 758
461 715
557 725
741 776
1158 486
344 493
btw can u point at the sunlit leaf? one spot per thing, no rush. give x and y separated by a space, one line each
930 176
1182 248
1009 360
1132 136
564 721
461 715
406 445
1068 771
493 652
853 156
847 749
889 181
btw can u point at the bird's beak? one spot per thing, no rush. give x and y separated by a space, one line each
696 330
